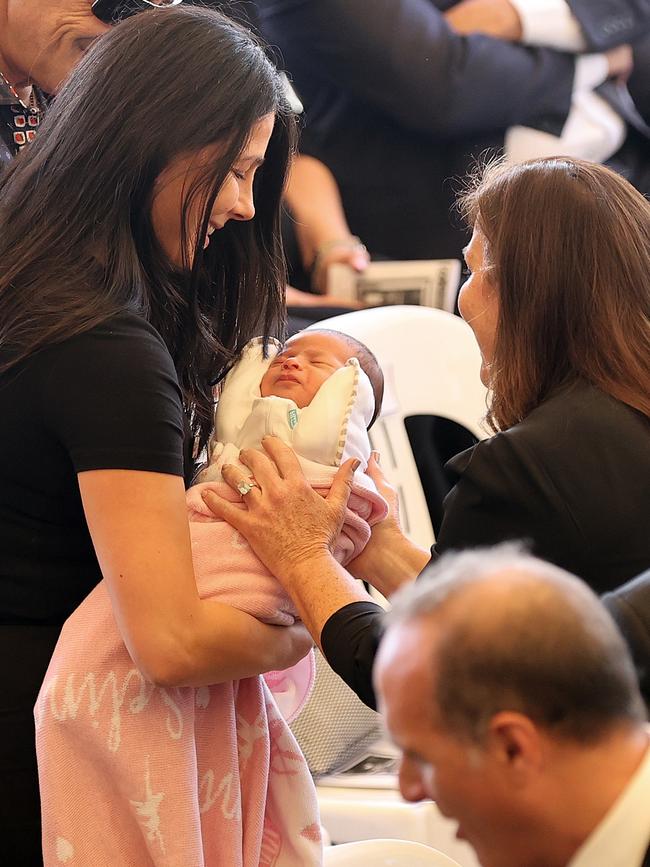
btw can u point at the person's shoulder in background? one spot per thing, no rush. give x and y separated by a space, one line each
629 605
639 81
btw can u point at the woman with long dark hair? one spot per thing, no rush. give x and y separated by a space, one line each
131 274
558 298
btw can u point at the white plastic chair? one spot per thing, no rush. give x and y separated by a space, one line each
431 365
385 853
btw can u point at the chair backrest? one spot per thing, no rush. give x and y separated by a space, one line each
431 365
335 729
385 853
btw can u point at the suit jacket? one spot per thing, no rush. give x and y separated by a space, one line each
572 479
607 23
397 104
639 82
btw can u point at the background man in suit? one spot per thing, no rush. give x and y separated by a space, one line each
514 701
398 104
639 81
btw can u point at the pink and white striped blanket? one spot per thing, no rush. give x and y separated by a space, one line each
139 775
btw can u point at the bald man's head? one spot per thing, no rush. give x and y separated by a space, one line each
514 633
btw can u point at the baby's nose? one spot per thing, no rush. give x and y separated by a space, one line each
290 362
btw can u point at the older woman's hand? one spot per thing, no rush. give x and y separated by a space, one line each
284 520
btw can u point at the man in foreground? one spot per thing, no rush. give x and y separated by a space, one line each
515 703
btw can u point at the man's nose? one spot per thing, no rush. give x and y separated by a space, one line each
410 782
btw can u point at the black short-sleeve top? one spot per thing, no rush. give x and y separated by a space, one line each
106 399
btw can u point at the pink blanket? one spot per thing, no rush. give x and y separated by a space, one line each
135 774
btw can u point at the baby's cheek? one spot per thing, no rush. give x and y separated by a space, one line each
265 385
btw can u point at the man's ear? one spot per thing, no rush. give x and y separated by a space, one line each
514 742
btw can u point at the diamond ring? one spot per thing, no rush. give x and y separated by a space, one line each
246 486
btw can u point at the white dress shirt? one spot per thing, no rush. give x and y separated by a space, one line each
550 23
622 837
593 130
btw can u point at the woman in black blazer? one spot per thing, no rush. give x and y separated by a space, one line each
558 297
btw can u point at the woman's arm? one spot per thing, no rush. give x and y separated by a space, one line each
321 227
139 528
298 298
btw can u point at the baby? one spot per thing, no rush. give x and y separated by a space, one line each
134 773
308 359
321 389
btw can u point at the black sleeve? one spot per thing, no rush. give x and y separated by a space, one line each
607 23
349 640
401 57
111 398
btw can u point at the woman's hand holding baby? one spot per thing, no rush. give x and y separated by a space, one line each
292 529
285 521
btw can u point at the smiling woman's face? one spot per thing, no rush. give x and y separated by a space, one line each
41 41
234 200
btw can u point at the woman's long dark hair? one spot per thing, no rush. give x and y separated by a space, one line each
568 251
76 237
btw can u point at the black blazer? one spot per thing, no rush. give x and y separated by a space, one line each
398 105
573 479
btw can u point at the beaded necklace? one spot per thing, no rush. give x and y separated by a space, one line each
24 118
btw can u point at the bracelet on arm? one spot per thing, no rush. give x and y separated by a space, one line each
351 242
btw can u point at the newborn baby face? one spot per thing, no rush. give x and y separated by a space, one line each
304 364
